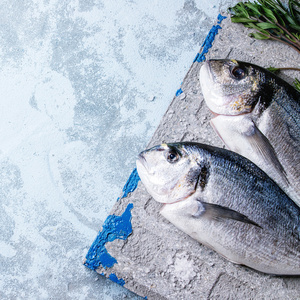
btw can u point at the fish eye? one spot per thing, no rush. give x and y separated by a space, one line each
238 73
172 157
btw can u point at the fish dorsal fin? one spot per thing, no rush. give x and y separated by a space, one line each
215 211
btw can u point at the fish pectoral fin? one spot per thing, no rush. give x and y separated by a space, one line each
216 211
264 149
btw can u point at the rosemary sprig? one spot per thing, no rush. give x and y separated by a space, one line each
276 70
270 20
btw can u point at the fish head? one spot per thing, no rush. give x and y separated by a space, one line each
230 87
168 172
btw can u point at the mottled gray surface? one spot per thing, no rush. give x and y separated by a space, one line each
83 86
158 260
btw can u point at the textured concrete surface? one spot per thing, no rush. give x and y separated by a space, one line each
159 261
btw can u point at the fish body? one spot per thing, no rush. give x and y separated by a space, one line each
257 115
225 202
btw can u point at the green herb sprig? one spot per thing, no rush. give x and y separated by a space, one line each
297 84
270 20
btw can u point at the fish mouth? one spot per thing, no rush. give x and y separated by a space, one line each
142 160
141 156
142 165
206 71
208 67
213 99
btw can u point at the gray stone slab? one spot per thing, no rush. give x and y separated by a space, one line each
157 260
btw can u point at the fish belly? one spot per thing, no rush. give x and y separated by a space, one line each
237 242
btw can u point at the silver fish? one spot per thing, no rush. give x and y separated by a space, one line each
225 202
257 115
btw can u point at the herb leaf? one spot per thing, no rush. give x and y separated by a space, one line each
270 19
297 84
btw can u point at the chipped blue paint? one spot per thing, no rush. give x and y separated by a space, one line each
131 184
113 277
221 18
114 227
178 92
207 44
